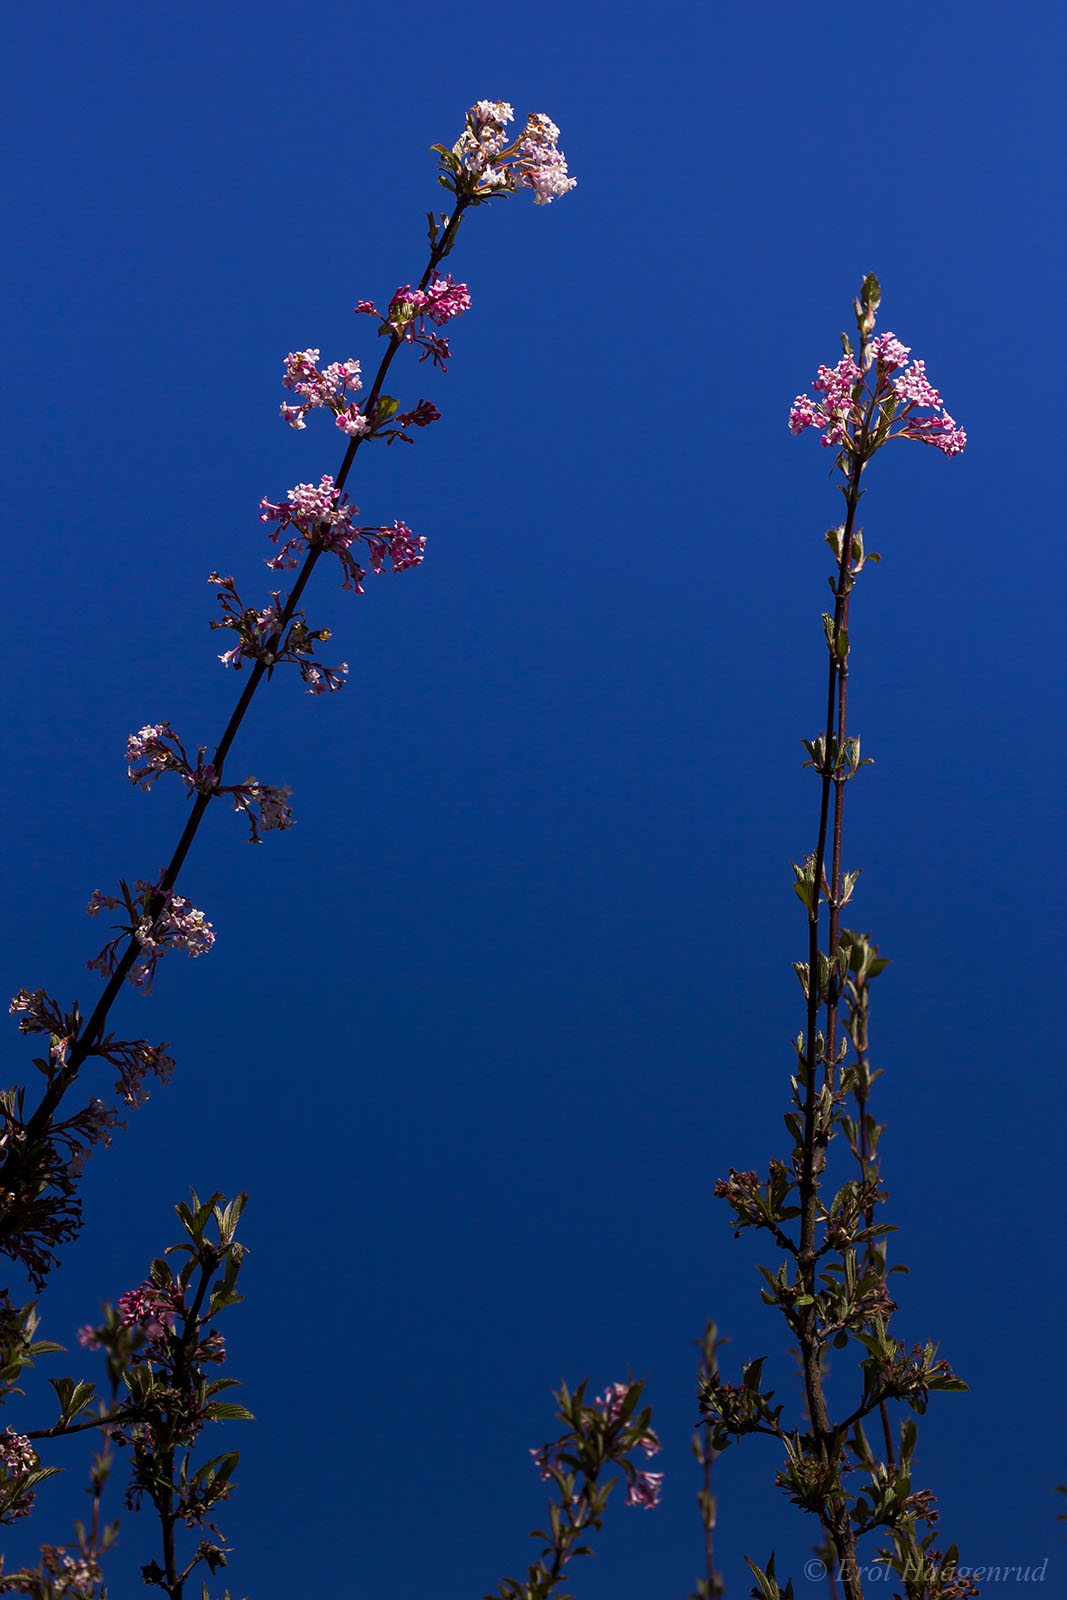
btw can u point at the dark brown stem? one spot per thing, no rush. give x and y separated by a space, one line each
163 1497
861 1040
60 1432
561 1554
845 581
709 1521
167 1519
836 1519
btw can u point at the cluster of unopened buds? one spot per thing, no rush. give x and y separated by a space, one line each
483 162
857 414
174 925
152 1308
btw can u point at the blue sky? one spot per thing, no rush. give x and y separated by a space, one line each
479 1034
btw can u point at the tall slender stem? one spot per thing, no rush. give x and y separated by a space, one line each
814 1146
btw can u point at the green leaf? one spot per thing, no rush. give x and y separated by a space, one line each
228 1411
752 1374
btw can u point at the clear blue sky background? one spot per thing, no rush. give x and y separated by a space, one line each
479 1034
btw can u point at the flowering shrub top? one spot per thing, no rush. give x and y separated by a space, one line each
856 411
482 162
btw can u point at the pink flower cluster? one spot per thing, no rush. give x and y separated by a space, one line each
855 412
403 548
17 1457
94 1123
610 1402
483 163
834 413
134 1059
335 384
39 1013
645 1490
178 926
616 1434
257 630
441 300
16 1451
888 351
259 638
151 1308
332 387
408 311
323 519
149 747
268 799
324 680
158 749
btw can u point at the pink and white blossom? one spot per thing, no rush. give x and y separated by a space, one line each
888 350
268 799
484 163
322 519
324 680
181 926
16 1452
645 1490
331 387
610 1402
805 414
17 1457
546 1459
178 925
913 386
941 432
352 421
134 1060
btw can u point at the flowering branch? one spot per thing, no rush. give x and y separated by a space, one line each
832 1286
597 1437
38 1207
75 1571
